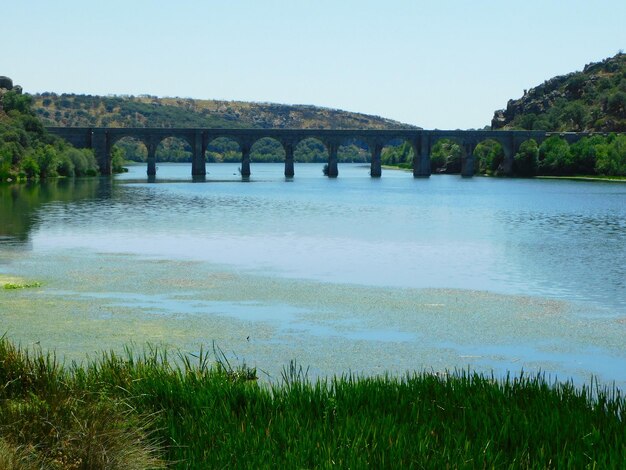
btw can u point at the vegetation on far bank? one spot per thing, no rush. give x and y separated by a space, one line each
591 156
27 151
149 411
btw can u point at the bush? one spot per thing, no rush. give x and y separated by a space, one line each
585 153
117 160
65 165
401 155
30 167
84 161
616 104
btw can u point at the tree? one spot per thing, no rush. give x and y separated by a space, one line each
446 157
525 160
612 162
401 155
117 160
575 116
489 156
12 101
554 157
585 153
616 104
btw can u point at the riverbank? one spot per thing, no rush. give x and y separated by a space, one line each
149 410
608 179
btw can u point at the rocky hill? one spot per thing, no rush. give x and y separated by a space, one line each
150 111
591 100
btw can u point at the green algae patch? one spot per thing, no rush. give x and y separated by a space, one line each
13 283
26 285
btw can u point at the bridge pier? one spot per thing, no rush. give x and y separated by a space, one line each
375 166
102 150
333 171
198 165
467 163
245 159
151 145
421 157
507 163
289 169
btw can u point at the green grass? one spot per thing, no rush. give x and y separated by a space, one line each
199 412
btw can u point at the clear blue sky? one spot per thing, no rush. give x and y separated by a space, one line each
440 64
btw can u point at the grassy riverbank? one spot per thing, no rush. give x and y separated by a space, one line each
146 412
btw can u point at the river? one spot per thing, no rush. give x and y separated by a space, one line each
342 275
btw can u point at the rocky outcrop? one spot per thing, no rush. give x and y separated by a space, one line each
590 90
6 83
537 100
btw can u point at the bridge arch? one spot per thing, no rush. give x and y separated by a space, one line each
353 150
174 148
223 149
398 151
126 148
447 153
310 149
152 140
489 157
511 143
267 149
133 148
271 149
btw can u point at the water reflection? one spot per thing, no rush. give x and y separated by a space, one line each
21 204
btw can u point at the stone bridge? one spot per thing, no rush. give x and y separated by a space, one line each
102 139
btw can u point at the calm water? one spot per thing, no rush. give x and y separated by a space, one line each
352 274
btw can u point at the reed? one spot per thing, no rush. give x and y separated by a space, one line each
202 412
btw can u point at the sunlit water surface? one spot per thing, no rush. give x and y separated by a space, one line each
348 274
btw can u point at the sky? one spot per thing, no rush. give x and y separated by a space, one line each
442 64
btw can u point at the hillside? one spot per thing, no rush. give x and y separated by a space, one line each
150 111
591 100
